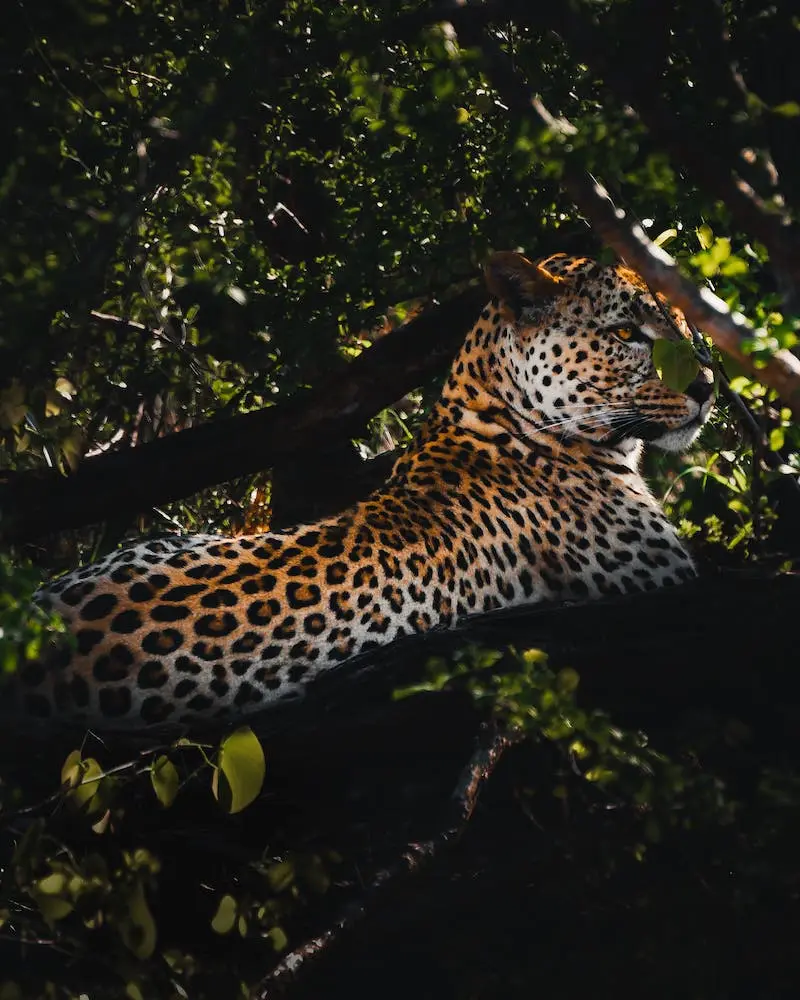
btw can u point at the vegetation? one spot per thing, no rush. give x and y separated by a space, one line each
215 217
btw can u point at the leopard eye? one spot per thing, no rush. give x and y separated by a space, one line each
628 335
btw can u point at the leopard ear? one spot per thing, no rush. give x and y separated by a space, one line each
518 282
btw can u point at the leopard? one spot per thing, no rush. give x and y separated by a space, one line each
523 486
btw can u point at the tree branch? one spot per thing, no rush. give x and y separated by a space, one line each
478 771
127 482
632 84
729 331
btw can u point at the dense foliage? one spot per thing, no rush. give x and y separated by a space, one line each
212 209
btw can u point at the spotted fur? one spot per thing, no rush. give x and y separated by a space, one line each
523 486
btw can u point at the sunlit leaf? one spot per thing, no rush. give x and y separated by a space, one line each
225 917
240 770
165 780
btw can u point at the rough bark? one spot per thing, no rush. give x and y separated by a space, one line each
127 482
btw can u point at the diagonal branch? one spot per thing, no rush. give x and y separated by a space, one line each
479 769
729 331
633 84
134 480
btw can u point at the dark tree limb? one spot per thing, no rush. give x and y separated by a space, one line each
176 466
479 769
650 660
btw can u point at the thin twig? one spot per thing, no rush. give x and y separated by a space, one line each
460 808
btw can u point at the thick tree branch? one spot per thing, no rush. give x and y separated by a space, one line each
126 482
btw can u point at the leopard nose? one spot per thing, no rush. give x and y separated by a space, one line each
700 390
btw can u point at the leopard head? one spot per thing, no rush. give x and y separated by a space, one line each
577 353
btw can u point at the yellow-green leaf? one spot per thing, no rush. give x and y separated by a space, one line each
277 936
534 657
52 908
225 917
71 770
675 362
52 885
567 680
280 875
705 236
138 929
164 776
240 770
12 405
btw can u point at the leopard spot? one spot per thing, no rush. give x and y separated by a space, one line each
155 709
302 595
247 642
115 701
219 599
183 593
152 674
126 622
99 607
184 688
87 639
187 665
167 613
200 703
164 642
216 625
246 693
207 650
114 666
314 624
262 612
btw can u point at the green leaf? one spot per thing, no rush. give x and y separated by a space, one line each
281 875
82 777
52 885
223 920
240 769
705 236
278 937
52 908
567 680
138 929
71 770
12 405
789 109
675 362
776 438
164 776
